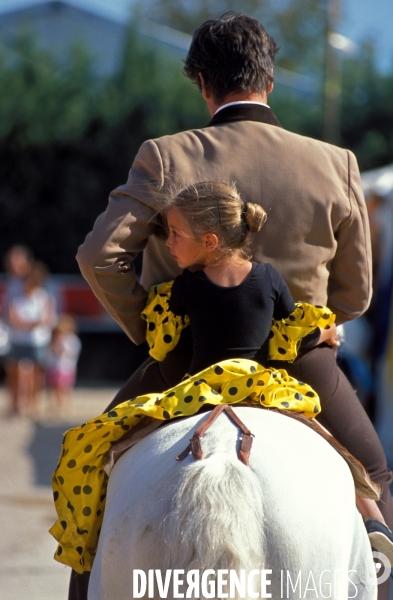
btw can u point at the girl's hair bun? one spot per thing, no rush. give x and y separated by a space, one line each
254 216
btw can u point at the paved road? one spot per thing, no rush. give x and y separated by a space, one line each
28 454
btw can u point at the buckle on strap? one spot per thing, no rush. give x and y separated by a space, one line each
195 445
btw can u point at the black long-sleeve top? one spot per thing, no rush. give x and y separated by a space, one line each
231 322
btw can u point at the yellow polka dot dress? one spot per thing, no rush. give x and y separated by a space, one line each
79 482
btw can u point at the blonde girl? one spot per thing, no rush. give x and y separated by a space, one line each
229 300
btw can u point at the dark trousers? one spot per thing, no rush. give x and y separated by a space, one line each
342 414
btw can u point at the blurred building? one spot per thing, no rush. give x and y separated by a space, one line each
60 25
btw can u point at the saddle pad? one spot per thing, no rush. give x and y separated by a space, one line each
145 427
363 485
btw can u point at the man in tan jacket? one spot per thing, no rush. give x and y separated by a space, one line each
316 234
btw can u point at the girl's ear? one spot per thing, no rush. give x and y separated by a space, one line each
210 241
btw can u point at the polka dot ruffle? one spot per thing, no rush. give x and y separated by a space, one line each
163 327
286 335
79 482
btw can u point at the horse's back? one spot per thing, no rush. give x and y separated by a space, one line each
292 510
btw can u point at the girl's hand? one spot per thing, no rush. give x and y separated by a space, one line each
329 336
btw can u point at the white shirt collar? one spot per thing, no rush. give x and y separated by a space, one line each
240 102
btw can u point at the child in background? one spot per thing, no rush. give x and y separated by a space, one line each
63 356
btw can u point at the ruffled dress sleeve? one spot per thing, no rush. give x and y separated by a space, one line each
286 334
163 326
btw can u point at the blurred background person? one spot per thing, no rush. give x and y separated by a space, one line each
378 184
380 209
63 354
367 338
18 262
31 315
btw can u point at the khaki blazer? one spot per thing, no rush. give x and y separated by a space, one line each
316 234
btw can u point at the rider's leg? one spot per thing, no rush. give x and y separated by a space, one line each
343 416
369 509
381 537
153 376
78 586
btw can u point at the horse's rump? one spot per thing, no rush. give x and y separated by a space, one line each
292 511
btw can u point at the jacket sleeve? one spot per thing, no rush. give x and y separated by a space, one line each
350 281
119 234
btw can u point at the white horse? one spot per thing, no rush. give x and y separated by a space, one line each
286 525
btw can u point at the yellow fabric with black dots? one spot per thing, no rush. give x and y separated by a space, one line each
79 482
164 328
286 335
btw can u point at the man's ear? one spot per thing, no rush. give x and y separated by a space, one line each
270 86
206 95
210 241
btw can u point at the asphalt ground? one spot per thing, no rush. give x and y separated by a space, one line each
29 449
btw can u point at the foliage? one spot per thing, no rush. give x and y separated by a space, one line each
42 102
68 137
187 15
297 25
367 110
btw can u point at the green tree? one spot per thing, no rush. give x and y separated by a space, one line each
43 102
297 25
187 15
69 138
367 111
299 28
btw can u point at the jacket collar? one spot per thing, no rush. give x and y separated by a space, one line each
245 112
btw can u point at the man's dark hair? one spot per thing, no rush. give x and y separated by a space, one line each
233 53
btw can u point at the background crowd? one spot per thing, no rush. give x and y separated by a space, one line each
367 339
40 346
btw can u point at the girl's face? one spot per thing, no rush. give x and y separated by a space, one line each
184 248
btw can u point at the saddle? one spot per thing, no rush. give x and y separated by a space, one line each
364 486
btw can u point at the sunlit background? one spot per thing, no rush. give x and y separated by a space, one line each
82 84
85 82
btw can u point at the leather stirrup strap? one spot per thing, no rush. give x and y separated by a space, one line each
195 446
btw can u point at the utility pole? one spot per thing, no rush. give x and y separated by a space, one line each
332 81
